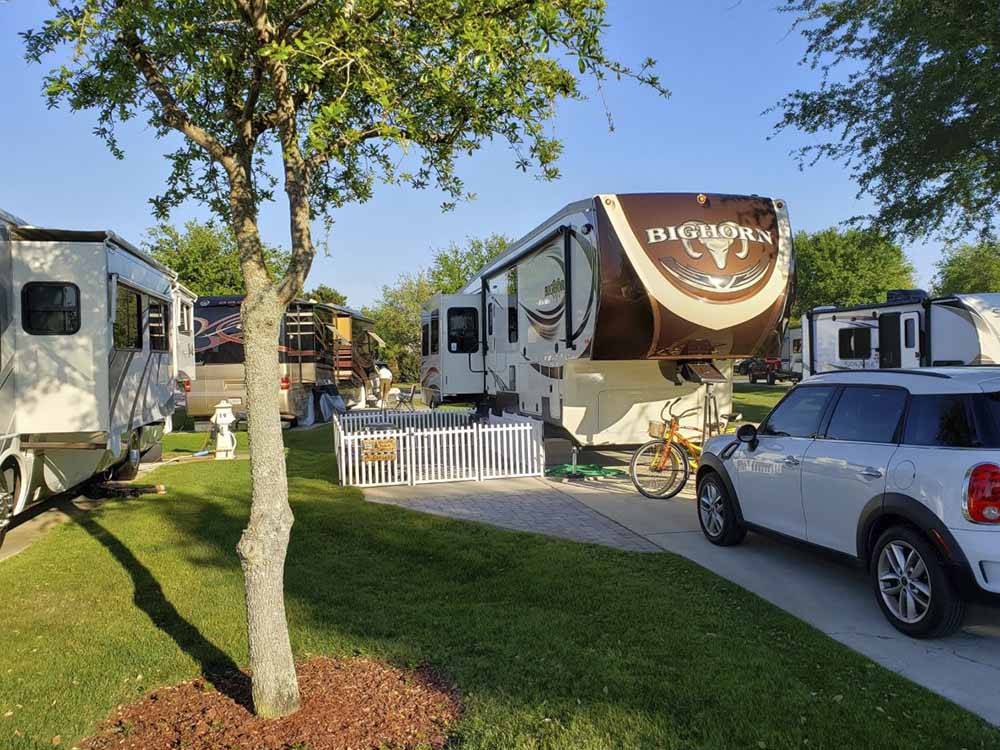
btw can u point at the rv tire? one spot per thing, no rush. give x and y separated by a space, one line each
10 487
129 468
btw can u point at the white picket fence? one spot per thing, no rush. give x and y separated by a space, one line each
384 448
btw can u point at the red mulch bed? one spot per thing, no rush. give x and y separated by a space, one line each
353 704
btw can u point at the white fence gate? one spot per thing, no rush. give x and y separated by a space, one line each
380 448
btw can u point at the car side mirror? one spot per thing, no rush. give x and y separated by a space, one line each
747 434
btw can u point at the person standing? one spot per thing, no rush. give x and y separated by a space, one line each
384 383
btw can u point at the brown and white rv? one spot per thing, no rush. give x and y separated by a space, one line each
612 307
320 345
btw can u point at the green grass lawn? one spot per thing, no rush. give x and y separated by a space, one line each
755 401
553 644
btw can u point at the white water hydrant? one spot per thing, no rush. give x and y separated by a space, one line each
225 439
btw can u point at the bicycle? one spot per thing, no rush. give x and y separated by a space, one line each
660 468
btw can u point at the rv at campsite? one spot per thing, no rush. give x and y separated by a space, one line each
322 348
910 329
94 336
614 306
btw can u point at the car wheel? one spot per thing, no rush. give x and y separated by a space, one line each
911 585
717 513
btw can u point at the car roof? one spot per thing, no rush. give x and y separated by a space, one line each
925 380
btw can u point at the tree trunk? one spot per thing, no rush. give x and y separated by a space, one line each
264 542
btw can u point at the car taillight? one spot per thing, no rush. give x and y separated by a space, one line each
286 383
982 498
186 385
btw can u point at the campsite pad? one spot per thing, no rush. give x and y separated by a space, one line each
355 703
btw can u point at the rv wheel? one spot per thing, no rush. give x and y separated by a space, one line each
129 468
10 489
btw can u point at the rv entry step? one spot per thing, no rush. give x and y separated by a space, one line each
702 372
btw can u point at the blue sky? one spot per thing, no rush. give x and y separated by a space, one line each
724 61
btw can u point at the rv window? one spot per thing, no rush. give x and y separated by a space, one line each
463 330
186 323
855 343
910 333
796 346
50 308
425 339
159 326
435 331
128 320
512 306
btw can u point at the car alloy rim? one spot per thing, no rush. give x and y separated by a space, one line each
904 581
710 507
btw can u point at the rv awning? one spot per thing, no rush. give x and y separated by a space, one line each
377 338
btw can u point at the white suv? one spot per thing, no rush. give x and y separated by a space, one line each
899 469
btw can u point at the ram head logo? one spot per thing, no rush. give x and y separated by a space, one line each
718 246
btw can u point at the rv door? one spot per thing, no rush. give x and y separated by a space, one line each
899 340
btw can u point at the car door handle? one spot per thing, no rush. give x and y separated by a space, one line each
872 473
791 461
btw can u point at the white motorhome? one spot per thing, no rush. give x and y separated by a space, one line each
87 377
908 330
612 307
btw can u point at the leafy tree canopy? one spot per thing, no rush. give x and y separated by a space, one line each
454 266
324 293
910 92
205 256
969 269
397 321
397 311
852 267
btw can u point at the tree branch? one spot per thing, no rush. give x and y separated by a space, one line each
173 114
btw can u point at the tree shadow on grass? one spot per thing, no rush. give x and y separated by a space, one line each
216 665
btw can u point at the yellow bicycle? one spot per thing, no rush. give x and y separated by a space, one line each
660 468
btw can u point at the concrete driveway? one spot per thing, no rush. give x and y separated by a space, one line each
827 593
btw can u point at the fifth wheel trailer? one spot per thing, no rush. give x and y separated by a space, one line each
613 306
908 330
87 379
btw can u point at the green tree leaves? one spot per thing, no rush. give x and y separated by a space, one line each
205 257
850 267
908 100
969 269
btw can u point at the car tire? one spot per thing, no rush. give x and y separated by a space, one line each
927 604
753 379
717 516
771 379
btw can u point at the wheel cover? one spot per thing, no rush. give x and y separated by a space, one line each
904 581
712 509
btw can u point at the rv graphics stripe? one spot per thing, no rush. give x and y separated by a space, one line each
121 378
139 392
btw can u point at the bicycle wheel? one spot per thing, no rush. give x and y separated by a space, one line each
657 475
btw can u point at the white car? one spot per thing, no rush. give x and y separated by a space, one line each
899 469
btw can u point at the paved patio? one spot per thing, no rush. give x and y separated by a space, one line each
829 594
519 504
